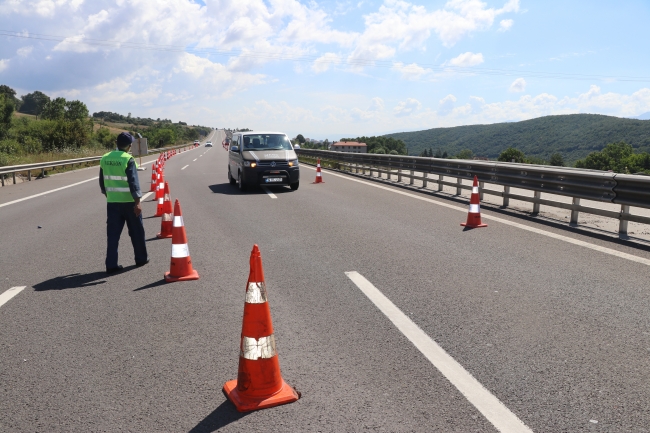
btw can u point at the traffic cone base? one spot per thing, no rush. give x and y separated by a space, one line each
285 395
192 276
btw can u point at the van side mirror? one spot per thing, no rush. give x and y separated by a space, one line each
234 148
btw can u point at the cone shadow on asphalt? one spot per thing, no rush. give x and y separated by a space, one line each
73 281
220 417
151 285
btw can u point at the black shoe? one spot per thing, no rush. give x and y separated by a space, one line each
118 268
137 265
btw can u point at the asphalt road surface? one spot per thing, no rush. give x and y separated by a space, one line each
388 316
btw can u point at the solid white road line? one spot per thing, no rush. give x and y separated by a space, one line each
6 296
482 399
269 192
185 167
563 238
55 190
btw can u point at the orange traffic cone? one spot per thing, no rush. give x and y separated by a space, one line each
259 383
319 176
166 221
474 214
154 178
160 198
181 265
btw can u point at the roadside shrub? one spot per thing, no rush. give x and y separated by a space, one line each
10 147
32 145
5 159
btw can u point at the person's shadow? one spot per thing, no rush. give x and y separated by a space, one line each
73 281
220 417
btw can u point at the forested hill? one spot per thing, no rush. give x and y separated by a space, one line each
573 135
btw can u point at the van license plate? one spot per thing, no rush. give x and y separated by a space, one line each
274 179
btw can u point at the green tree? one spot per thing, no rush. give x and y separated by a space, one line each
557 160
33 103
75 110
11 94
6 114
104 137
613 157
512 155
54 109
465 154
300 139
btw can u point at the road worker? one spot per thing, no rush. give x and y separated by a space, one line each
118 180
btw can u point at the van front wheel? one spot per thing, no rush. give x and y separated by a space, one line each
294 186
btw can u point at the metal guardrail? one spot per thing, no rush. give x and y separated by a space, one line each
42 166
623 189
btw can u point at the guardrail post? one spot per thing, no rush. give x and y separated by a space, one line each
481 185
412 180
537 195
29 175
399 174
440 178
459 182
14 176
506 199
622 225
424 181
43 172
575 213
3 179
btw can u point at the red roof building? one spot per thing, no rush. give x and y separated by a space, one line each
349 146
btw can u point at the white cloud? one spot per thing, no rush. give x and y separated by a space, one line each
4 64
324 62
25 51
399 24
412 71
376 104
466 60
505 25
447 105
406 108
518 86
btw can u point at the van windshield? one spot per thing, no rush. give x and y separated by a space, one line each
267 142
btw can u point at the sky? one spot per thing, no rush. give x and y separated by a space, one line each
332 68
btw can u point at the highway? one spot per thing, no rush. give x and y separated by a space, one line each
388 316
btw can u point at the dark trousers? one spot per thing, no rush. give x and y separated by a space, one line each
116 215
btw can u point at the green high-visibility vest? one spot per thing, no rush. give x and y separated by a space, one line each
113 166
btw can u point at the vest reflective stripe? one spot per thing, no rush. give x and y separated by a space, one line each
113 189
116 183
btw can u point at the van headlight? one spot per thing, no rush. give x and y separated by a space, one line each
293 163
250 164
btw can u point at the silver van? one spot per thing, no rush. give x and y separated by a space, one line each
262 158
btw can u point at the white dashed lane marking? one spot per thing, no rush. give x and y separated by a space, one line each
266 190
185 167
6 296
194 159
482 399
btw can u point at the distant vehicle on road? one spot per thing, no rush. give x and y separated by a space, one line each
226 143
197 142
262 158
208 144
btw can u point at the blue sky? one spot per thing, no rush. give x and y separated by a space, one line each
332 68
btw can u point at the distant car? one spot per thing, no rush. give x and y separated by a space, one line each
208 144
262 158
197 142
226 143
